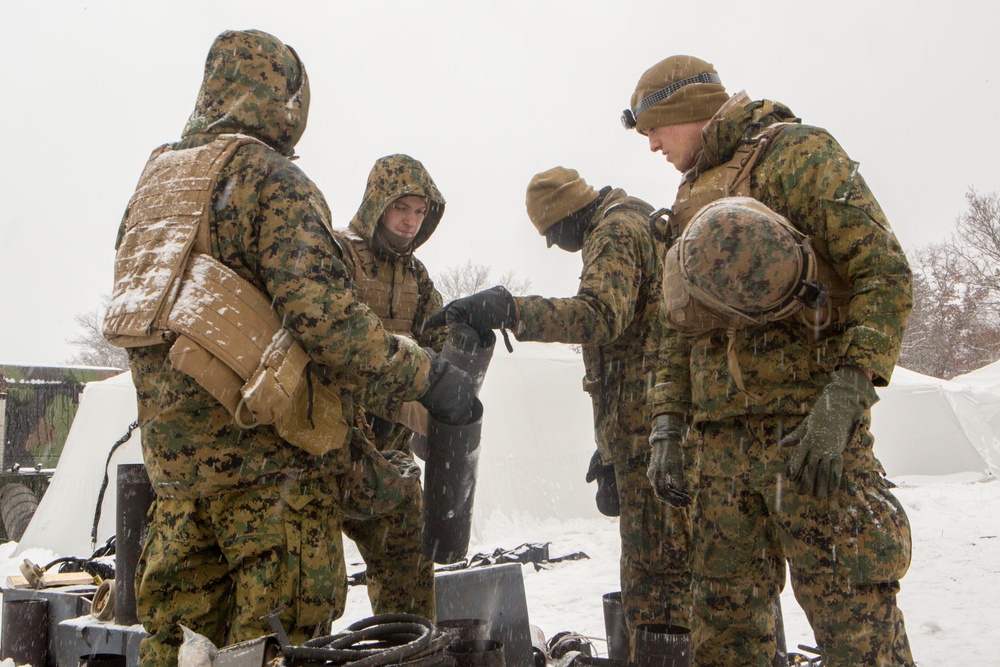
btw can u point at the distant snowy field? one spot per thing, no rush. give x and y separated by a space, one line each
950 597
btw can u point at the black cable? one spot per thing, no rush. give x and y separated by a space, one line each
104 484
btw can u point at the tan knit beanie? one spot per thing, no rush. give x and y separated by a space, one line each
657 101
554 194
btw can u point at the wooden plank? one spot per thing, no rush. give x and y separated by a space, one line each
50 580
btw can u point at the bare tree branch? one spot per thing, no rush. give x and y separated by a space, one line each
92 348
458 281
953 328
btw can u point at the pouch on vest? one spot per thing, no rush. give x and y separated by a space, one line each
376 482
281 392
225 324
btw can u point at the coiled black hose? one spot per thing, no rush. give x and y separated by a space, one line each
385 639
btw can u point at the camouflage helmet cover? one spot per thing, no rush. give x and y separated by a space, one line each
739 257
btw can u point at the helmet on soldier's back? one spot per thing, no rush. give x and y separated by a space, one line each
740 258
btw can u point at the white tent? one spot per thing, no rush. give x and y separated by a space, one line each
929 426
536 444
985 385
65 516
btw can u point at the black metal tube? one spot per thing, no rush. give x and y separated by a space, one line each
477 653
780 658
102 660
449 489
660 645
24 637
614 626
135 495
470 351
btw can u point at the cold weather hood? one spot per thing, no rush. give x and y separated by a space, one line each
392 177
253 85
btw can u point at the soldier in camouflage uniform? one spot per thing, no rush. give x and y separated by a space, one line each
779 463
615 318
400 210
244 523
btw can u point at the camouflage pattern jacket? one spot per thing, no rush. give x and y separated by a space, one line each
807 177
615 318
271 225
395 285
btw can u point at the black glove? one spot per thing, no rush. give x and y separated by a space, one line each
817 462
607 486
666 460
483 311
451 398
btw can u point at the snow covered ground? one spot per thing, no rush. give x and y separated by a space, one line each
950 597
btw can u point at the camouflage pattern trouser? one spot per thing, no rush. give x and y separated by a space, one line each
400 579
656 552
217 565
845 553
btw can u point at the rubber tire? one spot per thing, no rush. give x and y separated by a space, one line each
17 505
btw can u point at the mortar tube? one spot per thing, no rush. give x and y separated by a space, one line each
661 645
135 495
470 351
450 488
615 628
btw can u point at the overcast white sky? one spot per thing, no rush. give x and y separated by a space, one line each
486 94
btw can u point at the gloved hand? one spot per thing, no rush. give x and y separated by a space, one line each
817 461
484 311
607 485
666 460
451 397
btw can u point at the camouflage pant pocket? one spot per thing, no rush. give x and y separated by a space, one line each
872 537
315 578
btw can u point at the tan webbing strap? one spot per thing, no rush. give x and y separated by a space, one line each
733 364
748 155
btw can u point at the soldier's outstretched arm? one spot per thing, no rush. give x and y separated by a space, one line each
614 258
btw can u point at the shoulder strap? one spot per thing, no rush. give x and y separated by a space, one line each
740 167
225 152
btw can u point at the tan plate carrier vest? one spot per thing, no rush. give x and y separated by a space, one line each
395 303
696 314
225 334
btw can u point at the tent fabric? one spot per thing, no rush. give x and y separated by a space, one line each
65 516
929 426
537 439
985 385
